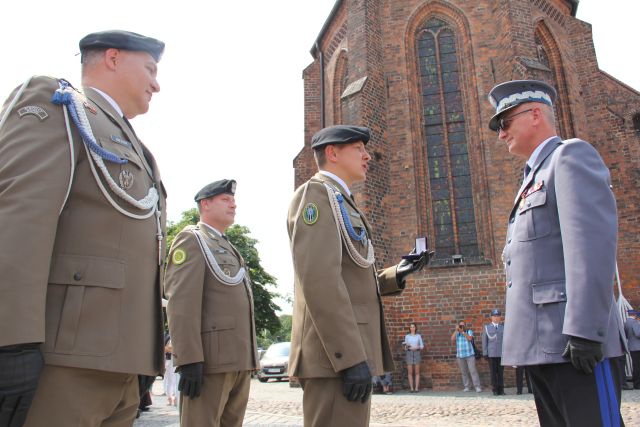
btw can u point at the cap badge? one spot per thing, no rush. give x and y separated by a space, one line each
126 179
179 256
310 214
34 110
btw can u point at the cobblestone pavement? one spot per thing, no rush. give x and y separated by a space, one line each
276 404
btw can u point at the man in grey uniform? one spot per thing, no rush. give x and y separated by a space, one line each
492 349
632 330
561 319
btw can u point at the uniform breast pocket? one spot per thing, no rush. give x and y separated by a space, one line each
130 176
228 263
219 341
83 305
550 299
532 218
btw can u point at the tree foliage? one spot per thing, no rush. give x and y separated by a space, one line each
266 338
264 307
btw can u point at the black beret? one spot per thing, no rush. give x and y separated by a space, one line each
508 95
340 134
496 312
215 188
126 40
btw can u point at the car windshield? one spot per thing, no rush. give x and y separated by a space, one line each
277 350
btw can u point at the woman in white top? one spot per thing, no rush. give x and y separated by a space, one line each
413 344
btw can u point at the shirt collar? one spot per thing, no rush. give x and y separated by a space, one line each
211 228
110 100
337 179
534 156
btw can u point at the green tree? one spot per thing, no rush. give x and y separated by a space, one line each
264 307
266 338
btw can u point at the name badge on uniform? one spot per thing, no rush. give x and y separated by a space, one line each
120 141
220 251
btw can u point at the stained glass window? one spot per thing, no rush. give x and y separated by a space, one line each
445 134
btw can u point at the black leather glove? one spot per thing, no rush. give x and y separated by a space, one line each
191 377
406 267
356 382
584 354
20 368
145 382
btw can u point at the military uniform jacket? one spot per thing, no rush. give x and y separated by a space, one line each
492 340
338 320
560 257
632 330
209 320
78 274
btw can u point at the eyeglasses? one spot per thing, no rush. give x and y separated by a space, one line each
505 122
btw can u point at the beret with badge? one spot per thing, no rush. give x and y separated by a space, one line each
126 40
215 188
509 95
340 134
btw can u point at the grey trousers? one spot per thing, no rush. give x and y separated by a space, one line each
468 368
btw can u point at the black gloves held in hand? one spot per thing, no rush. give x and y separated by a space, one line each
20 368
584 354
406 267
191 377
356 382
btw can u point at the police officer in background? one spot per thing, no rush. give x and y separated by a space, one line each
561 318
210 311
492 349
338 338
82 212
632 330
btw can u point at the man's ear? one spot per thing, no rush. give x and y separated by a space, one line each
111 57
331 153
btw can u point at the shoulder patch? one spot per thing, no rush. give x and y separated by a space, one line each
34 110
179 256
310 214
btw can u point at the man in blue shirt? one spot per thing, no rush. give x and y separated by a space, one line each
466 356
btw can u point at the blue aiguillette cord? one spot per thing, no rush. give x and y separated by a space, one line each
347 221
63 96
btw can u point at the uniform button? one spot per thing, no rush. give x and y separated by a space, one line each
509 284
338 355
528 204
77 276
213 327
561 294
509 241
508 262
600 333
511 220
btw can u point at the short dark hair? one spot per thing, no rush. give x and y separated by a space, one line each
320 155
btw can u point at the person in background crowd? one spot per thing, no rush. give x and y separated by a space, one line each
632 330
413 345
170 377
465 355
492 348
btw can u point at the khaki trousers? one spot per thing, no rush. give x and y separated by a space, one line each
222 401
74 397
323 404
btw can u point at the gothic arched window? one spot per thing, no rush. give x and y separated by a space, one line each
443 117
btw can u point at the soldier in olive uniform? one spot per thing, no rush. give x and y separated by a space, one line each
211 319
82 212
338 338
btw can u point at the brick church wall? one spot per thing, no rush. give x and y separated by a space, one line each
498 41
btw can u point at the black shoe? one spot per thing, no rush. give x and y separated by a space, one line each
519 392
501 393
626 386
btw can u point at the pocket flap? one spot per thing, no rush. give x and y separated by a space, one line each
121 151
544 293
361 313
87 271
536 199
222 323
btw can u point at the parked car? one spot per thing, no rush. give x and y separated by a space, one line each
275 362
